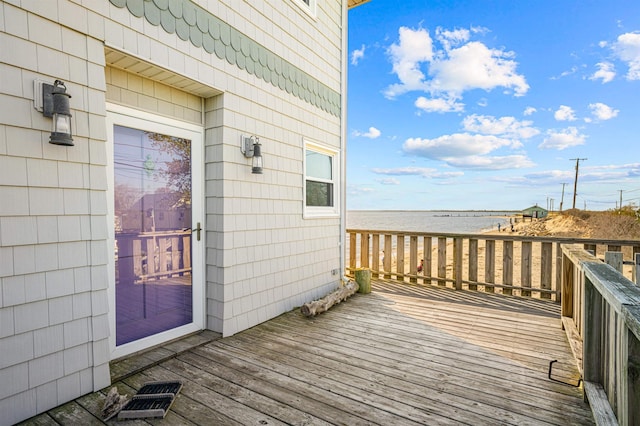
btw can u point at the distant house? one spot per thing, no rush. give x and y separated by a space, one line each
535 212
152 181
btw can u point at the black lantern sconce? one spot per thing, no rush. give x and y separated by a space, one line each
55 104
251 148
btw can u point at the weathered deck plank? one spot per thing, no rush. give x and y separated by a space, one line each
404 354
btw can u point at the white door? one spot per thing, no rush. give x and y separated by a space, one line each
155 195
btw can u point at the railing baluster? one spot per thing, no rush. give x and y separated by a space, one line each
490 265
375 253
387 256
457 263
546 266
352 250
413 258
614 259
427 270
400 257
507 266
442 260
473 263
364 250
526 262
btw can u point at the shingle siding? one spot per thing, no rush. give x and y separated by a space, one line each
261 257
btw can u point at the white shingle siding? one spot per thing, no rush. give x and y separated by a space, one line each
262 258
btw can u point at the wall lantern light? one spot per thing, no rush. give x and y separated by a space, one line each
251 148
55 104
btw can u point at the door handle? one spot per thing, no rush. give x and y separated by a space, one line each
197 230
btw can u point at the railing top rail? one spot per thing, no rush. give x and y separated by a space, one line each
507 237
621 294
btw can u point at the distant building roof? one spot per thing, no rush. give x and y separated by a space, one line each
536 207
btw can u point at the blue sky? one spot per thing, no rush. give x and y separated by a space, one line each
487 104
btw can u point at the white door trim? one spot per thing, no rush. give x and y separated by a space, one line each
129 117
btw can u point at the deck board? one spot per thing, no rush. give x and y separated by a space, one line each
401 355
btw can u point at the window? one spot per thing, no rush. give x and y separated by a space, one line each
309 6
321 183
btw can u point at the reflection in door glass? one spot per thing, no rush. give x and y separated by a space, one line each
152 178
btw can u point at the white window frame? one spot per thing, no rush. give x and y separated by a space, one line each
129 117
310 9
313 212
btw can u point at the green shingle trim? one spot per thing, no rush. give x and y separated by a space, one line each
161 4
204 30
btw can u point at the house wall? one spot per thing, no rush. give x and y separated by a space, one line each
262 257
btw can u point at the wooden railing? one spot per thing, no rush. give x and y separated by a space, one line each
510 264
601 314
149 255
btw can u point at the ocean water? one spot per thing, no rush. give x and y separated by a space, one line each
464 222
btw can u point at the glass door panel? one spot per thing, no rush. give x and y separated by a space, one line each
153 238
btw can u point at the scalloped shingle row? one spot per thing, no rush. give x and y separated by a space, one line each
191 22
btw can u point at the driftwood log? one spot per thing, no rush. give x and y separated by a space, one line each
113 404
316 307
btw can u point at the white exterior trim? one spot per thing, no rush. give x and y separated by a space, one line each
117 114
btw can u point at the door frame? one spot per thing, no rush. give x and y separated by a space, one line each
130 117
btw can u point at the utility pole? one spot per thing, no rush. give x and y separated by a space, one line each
575 183
562 199
620 199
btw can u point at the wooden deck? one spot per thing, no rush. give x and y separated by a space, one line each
402 355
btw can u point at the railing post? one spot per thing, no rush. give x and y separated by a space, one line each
490 265
473 262
635 272
614 259
364 250
507 266
457 262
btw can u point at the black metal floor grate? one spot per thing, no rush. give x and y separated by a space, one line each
153 400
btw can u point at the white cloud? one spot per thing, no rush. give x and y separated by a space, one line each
627 48
529 111
456 145
388 181
452 38
373 133
602 111
565 113
503 126
458 66
417 171
475 66
439 105
492 162
414 47
606 72
356 55
563 139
